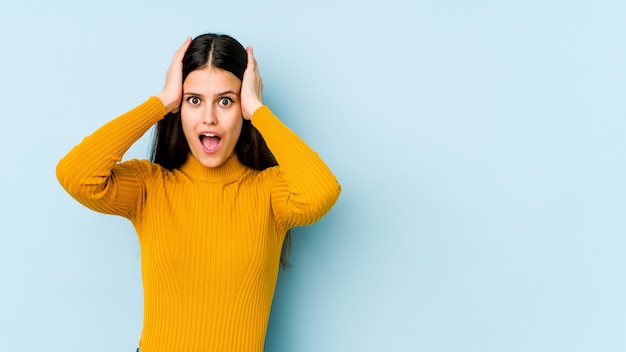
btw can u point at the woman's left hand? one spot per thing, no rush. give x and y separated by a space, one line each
251 87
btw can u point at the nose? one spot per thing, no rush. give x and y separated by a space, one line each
210 117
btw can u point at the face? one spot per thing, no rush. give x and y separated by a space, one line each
211 114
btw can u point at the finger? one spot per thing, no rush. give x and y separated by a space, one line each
180 52
251 60
185 45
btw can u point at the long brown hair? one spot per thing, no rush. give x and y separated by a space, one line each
169 146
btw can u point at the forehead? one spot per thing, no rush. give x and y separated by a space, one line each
211 80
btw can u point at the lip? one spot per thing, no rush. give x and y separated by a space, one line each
214 149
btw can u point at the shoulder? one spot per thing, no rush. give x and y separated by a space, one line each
271 173
271 177
141 167
260 178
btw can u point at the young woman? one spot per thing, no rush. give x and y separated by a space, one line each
213 207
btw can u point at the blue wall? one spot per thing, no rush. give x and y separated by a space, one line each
480 146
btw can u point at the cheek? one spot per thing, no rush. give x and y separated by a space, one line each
237 128
191 117
186 115
187 123
234 122
239 125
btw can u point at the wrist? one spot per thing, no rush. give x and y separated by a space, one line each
251 109
169 103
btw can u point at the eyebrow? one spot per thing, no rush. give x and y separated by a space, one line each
216 95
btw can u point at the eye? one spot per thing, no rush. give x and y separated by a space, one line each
193 100
224 101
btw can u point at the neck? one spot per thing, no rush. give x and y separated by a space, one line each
230 170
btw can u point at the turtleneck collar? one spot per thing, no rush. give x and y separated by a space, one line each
230 170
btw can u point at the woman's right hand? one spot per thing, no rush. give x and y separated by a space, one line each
172 92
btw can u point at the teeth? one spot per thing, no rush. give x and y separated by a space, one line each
208 134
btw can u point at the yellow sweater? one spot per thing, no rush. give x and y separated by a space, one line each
210 238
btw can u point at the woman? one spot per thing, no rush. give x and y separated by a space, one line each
214 205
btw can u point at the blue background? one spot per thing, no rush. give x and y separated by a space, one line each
479 145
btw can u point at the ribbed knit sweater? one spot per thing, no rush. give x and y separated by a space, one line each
210 238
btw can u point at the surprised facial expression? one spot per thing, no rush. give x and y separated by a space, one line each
211 114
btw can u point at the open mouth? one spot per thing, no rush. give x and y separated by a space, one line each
210 142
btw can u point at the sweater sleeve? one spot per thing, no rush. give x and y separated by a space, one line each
305 189
92 173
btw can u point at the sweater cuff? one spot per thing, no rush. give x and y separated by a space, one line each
264 119
155 104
